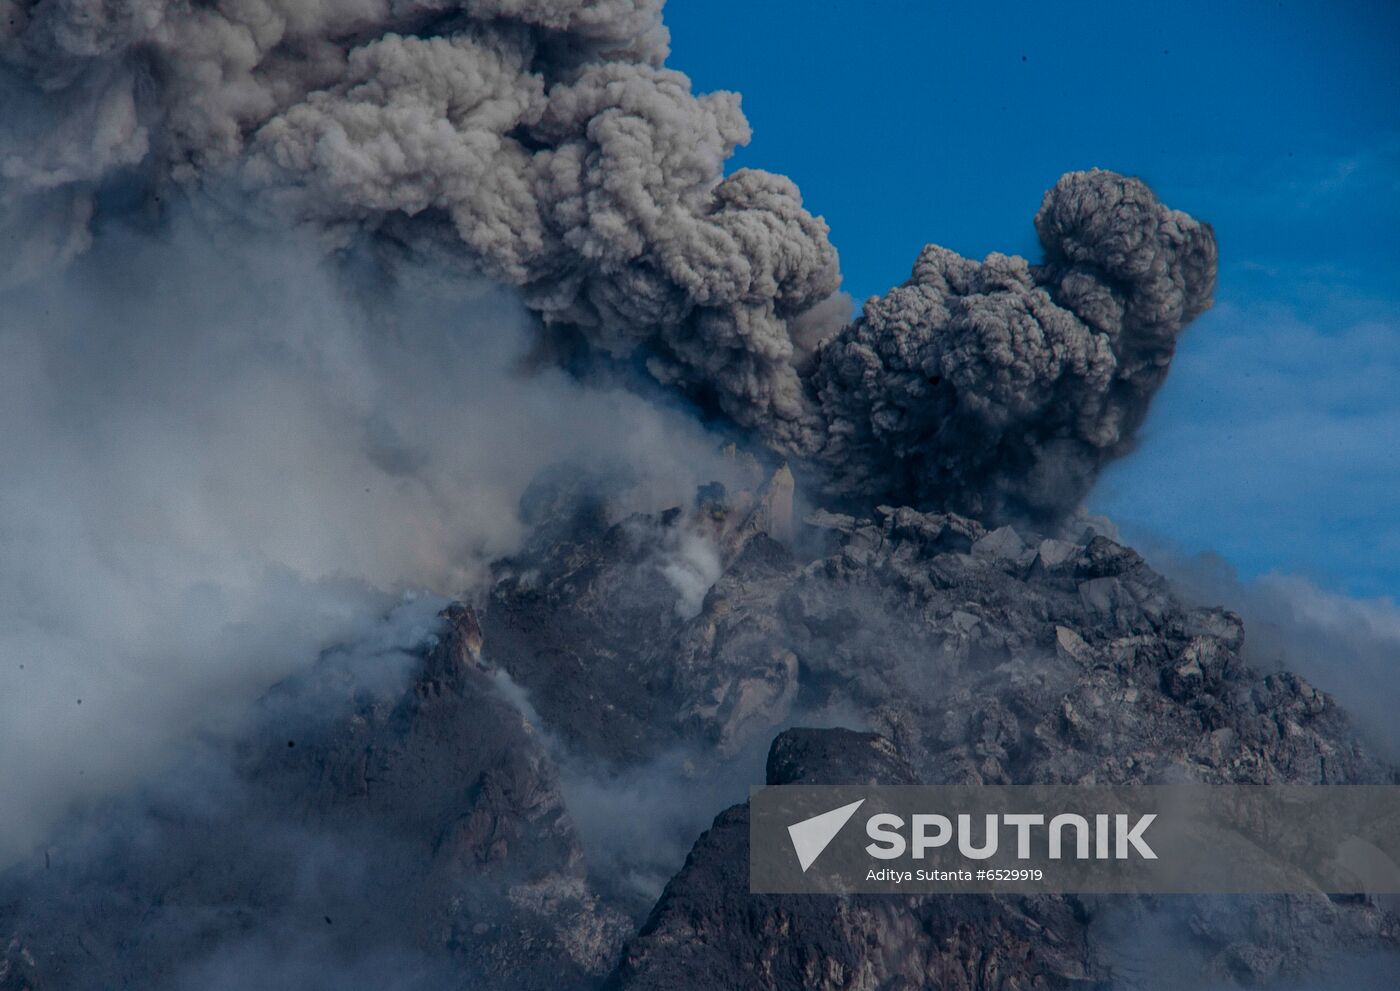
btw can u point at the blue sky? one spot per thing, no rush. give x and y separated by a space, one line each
1276 442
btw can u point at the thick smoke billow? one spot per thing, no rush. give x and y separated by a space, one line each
545 147
542 139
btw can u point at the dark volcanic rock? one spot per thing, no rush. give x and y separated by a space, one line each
1005 660
836 757
978 658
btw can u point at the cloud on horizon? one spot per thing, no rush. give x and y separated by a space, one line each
1275 444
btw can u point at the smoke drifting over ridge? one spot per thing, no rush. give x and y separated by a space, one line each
219 460
544 146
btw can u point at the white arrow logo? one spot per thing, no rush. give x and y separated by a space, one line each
811 836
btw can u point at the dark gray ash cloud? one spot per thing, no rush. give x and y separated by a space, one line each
1000 388
544 145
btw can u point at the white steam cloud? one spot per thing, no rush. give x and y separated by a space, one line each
216 462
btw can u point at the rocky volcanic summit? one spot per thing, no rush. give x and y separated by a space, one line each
421 836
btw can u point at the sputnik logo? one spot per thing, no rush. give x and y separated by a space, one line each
811 836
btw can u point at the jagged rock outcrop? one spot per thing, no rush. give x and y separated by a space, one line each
708 931
987 656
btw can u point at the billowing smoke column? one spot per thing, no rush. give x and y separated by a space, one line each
1000 388
542 144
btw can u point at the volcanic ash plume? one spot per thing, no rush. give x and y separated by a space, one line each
543 144
1000 388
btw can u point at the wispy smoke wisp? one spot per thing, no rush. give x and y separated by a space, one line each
1345 646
